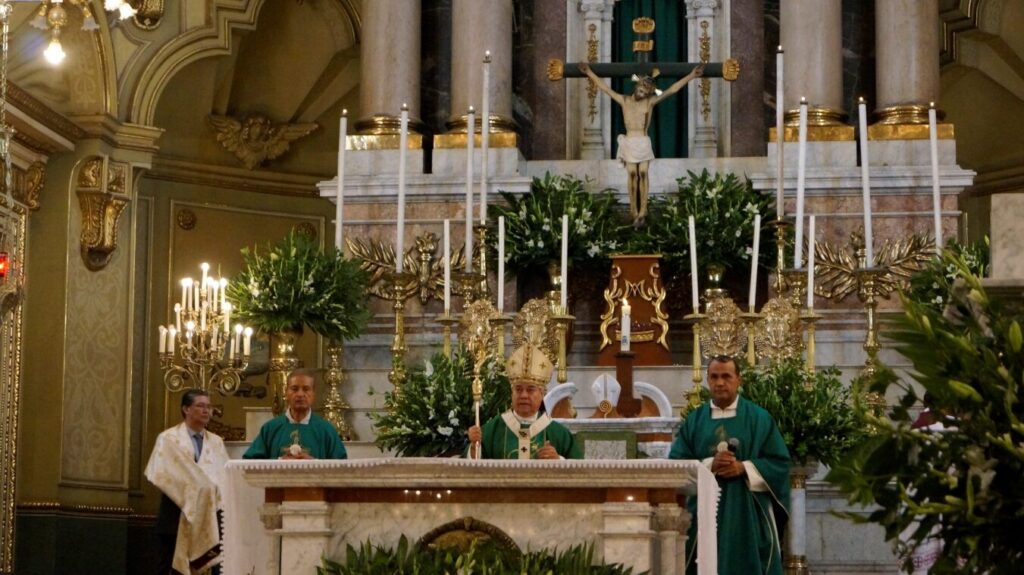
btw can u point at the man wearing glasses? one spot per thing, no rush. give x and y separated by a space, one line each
187 465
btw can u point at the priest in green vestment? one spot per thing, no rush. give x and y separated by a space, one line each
522 432
298 433
741 444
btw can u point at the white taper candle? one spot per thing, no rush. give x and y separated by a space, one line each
485 132
933 136
865 169
780 136
447 266
801 176
403 139
810 263
693 264
755 254
339 196
470 128
501 264
565 262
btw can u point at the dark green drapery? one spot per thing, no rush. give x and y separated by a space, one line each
669 124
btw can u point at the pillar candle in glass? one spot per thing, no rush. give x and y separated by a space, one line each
625 324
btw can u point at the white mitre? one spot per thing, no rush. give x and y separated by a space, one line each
606 387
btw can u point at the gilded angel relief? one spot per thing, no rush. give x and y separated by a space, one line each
255 139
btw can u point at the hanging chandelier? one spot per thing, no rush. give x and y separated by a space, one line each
53 16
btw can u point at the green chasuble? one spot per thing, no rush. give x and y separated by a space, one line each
501 441
318 437
748 538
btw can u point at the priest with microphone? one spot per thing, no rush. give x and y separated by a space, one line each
741 444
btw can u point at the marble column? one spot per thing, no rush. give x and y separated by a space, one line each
479 26
812 36
389 66
907 59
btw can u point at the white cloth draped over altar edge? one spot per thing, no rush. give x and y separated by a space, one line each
251 548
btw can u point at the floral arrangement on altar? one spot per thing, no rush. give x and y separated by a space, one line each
723 207
435 407
533 224
932 285
483 557
816 413
956 481
294 283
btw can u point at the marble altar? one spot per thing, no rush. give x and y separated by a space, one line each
627 508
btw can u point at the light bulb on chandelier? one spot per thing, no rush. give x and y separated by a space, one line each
54 17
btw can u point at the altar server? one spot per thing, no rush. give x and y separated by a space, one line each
298 433
522 432
187 465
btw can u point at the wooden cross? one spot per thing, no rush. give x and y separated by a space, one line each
643 27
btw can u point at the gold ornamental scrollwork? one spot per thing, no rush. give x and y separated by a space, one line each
592 45
421 261
836 275
723 332
534 324
186 219
148 13
705 84
652 292
778 334
475 328
102 195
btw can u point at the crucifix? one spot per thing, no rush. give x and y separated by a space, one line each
635 150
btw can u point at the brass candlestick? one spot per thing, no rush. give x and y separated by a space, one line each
498 328
335 405
868 292
750 319
448 322
399 283
809 318
562 321
780 227
467 286
480 256
693 396
795 281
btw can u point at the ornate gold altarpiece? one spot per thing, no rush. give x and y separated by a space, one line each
628 508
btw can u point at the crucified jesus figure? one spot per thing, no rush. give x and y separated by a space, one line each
635 149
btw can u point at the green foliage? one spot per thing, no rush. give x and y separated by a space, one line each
294 283
933 284
814 411
723 207
483 558
435 408
533 224
963 485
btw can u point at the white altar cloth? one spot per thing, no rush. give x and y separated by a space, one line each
251 548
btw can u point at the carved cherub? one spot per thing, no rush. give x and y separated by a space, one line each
255 139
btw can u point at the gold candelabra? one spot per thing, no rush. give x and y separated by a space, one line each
467 285
199 349
844 272
399 282
335 405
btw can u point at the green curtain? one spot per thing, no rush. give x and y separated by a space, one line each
669 124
